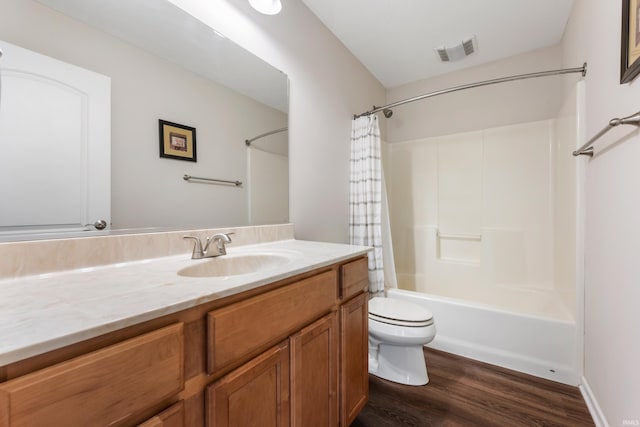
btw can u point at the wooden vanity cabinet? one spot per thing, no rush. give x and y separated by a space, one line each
291 353
294 383
254 393
354 339
329 378
354 358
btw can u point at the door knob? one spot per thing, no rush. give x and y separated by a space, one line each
100 224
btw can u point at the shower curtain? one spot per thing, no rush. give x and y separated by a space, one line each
368 207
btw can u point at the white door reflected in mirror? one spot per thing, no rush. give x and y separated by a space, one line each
55 140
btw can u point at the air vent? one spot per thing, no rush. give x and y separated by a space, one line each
467 45
458 51
442 52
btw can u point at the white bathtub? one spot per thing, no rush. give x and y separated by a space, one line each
544 344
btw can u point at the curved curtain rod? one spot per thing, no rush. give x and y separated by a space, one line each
582 70
262 135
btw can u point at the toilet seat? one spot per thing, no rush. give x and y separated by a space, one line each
398 312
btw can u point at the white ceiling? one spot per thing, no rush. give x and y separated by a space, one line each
395 39
189 43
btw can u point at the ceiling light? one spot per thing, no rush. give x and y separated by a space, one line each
268 7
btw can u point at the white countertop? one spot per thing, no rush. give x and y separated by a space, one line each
49 311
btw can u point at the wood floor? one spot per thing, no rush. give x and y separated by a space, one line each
464 392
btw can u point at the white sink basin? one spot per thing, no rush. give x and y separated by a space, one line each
235 264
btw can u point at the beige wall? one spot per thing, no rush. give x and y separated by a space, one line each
328 85
148 191
612 285
479 108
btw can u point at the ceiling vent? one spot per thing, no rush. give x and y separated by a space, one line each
458 51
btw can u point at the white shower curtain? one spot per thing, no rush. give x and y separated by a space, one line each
366 201
390 278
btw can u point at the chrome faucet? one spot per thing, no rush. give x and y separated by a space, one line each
209 251
218 240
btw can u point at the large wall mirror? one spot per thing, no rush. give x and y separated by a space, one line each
161 64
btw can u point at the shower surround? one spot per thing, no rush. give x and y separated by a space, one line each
486 221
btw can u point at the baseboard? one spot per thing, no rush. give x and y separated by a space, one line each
592 404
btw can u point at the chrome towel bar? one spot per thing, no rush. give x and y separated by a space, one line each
587 147
223 181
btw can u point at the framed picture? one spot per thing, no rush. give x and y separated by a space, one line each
177 141
630 43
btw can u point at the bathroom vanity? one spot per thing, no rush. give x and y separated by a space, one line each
284 346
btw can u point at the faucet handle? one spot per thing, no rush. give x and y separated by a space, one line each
197 247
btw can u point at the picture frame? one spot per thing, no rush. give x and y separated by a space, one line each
630 41
177 141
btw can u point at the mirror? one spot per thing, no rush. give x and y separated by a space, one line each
164 64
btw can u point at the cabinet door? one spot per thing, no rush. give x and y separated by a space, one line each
255 394
314 374
354 368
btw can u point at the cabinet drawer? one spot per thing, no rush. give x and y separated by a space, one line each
173 416
243 329
354 278
100 388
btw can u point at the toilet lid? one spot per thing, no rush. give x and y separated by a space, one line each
395 311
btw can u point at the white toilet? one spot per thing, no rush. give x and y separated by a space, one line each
397 332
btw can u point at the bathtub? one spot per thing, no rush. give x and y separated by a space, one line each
542 340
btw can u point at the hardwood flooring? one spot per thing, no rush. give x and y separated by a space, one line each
465 392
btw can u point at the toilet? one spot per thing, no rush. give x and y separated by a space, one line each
397 332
